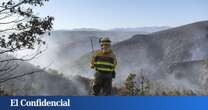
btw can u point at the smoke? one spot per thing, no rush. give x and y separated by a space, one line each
66 47
158 57
44 83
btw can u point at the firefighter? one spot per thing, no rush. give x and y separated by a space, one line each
104 62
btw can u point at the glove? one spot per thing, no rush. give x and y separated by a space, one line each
92 66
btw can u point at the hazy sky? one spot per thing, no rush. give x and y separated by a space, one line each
106 14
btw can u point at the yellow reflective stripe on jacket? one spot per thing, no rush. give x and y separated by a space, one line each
104 63
104 69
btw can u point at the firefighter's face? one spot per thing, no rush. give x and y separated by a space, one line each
105 47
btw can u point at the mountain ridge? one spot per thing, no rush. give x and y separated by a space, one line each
153 54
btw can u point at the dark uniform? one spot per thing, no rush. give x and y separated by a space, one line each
104 64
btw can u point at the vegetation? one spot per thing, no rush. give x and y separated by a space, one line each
143 88
20 29
3 93
132 86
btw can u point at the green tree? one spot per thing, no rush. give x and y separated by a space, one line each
130 84
135 86
20 29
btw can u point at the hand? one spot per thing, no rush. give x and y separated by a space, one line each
92 66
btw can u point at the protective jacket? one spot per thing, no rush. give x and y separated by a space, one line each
104 62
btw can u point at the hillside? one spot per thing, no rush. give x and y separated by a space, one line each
44 82
153 55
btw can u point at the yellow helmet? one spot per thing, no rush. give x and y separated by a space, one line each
104 40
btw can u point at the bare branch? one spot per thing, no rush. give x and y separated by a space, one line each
18 4
4 65
9 29
24 74
6 16
7 72
6 51
20 59
14 21
21 75
4 69
6 12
